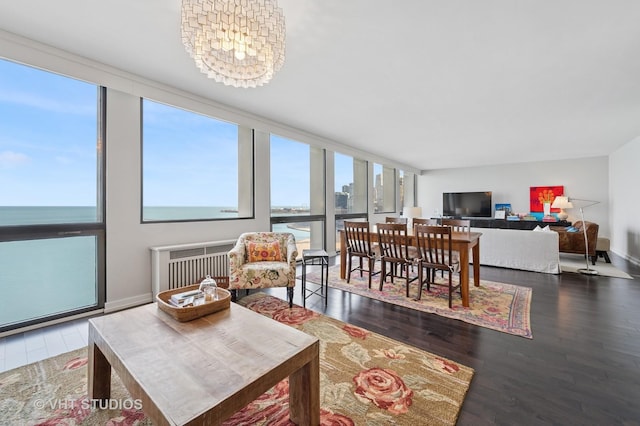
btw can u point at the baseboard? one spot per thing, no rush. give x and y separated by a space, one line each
627 257
51 322
129 302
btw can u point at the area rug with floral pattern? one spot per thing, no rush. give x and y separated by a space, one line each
365 378
493 305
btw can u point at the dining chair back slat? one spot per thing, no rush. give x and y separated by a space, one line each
458 225
423 221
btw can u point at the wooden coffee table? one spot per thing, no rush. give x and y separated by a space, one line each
205 370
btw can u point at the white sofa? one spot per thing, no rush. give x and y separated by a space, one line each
520 249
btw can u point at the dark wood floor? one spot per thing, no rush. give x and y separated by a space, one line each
582 366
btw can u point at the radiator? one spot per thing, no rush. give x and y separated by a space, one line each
181 265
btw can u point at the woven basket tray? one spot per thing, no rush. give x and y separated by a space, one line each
193 312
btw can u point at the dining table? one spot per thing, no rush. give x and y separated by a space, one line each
462 242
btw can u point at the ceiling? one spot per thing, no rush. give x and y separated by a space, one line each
429 84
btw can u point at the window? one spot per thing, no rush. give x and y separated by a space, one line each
51 202
350 184
350 191
384 189
194 167
298 191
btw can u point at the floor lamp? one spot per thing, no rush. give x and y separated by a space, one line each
587 270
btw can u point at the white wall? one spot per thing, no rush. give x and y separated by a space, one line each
586 178
624 177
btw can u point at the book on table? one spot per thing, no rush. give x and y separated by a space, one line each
179 299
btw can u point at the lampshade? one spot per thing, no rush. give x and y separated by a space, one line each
411 212
236 42
562 202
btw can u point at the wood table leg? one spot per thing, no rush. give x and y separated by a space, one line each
343 256
464 276
99 385
304 392
476 263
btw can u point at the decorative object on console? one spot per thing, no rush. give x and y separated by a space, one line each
506 207
589 203
541 198
562 202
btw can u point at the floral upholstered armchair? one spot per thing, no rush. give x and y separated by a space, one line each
264 259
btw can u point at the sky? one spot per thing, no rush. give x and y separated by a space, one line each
47 138
48 133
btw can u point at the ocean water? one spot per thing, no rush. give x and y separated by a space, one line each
40 278
32 215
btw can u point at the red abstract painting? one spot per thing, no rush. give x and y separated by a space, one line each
538 195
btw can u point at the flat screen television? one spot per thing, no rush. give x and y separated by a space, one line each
466 204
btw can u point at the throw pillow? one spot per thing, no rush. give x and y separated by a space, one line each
262 252
537 228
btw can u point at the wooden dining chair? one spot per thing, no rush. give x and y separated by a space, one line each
394 252
458 225
424 221
392 219
413 251
434 245
358 241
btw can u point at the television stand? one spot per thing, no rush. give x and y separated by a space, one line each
488 222
514 224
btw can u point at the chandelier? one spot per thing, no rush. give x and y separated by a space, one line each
236 42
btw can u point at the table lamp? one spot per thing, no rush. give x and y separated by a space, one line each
562 202
410 213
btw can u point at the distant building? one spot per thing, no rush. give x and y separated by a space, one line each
342 200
